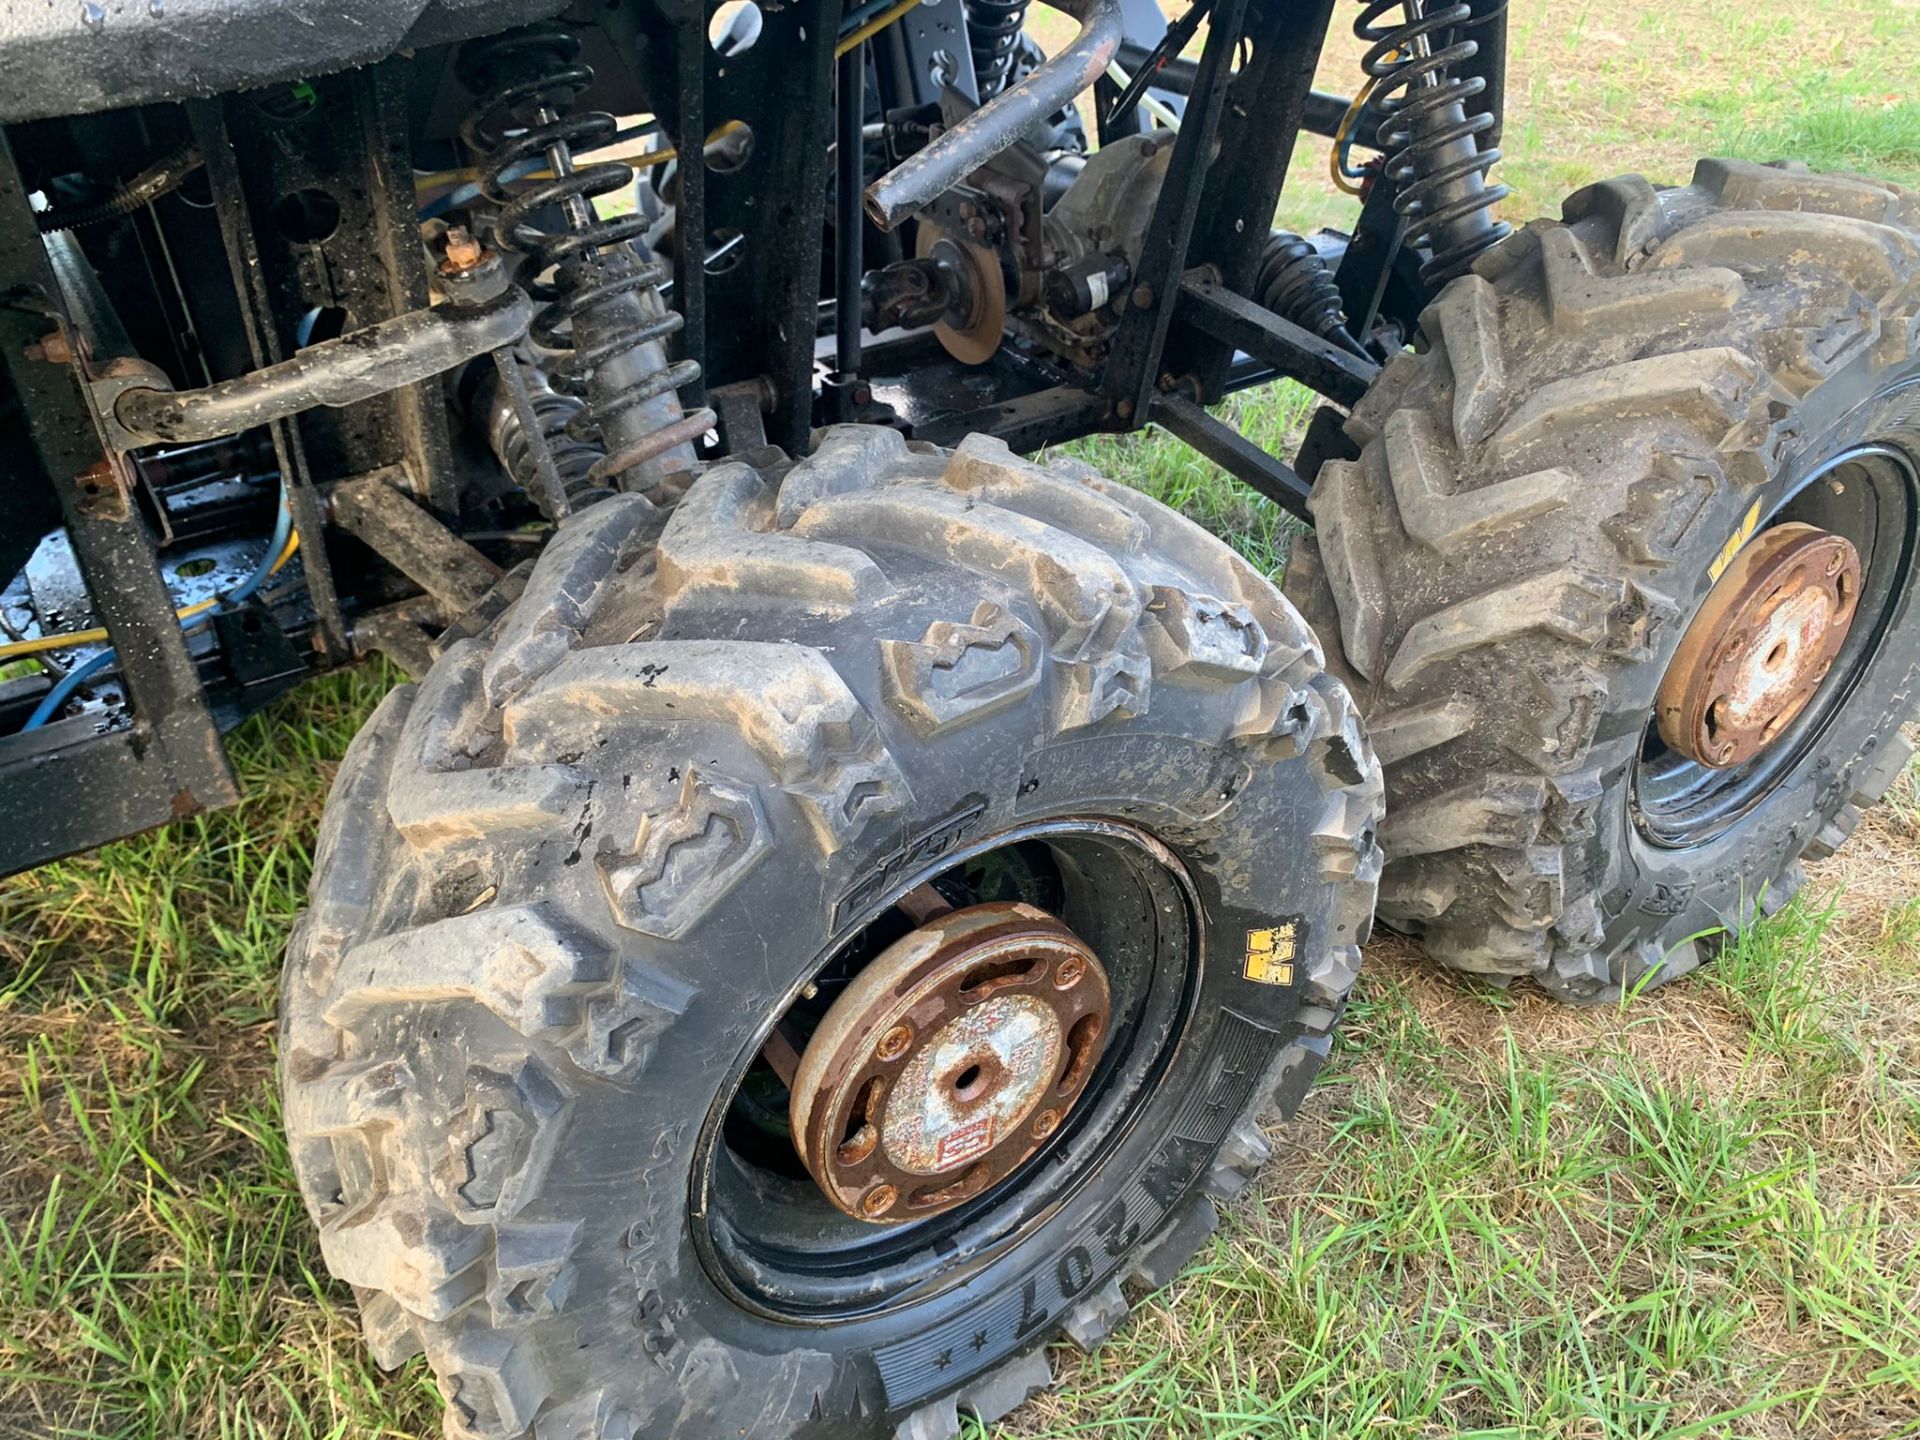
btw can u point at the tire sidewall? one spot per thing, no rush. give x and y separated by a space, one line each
732 1368
1664 897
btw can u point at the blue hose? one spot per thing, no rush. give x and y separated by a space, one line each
52 702
282 528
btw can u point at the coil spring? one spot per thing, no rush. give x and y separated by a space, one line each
527 82
1432 144
1293 280
993 35
556 416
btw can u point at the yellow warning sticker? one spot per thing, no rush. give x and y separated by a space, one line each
1734 542
1270 954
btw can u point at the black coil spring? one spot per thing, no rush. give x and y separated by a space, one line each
557 416
527 82
993 35
1293 280
1414 94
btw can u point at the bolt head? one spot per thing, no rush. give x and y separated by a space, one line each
1142 297
1067 973
894 1043
1045 1123
878 1201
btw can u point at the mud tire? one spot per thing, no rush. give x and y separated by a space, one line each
562 882
1604 407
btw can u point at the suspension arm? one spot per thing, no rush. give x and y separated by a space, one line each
358 366
996 126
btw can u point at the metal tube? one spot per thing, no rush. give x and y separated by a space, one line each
359 365
923 177
849 172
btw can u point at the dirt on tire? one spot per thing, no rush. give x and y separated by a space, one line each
565 883
1611 404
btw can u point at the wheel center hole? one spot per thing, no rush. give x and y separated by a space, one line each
977 1079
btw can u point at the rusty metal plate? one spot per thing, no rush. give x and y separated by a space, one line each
948 1061
1762 643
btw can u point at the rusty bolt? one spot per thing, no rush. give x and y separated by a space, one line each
1143 297
1045 1123
894 1043
1067 974
463 252
1124 409
877 1201
52 348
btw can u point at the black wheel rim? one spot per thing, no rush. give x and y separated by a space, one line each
1870 494
763 1229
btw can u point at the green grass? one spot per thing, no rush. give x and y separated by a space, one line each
155 1267
1174 475
1697 1216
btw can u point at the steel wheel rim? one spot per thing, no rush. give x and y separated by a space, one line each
1869 494
836 1274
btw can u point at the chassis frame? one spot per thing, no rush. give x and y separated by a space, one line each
374 486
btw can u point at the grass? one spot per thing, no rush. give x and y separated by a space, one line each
1698 1216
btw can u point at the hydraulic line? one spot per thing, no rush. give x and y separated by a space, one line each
149 185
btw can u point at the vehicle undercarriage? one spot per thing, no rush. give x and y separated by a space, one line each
840 895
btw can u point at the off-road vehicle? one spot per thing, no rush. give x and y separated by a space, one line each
835 905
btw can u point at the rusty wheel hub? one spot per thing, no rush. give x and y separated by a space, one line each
1760 646
948 1061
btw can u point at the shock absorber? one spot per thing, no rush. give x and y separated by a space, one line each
556 425
993 35
602 306
1432 144
1293 280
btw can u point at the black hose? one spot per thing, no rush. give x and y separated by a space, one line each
149 185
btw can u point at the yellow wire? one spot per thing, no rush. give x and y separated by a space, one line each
873 27
67 640
429 180
1347 122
